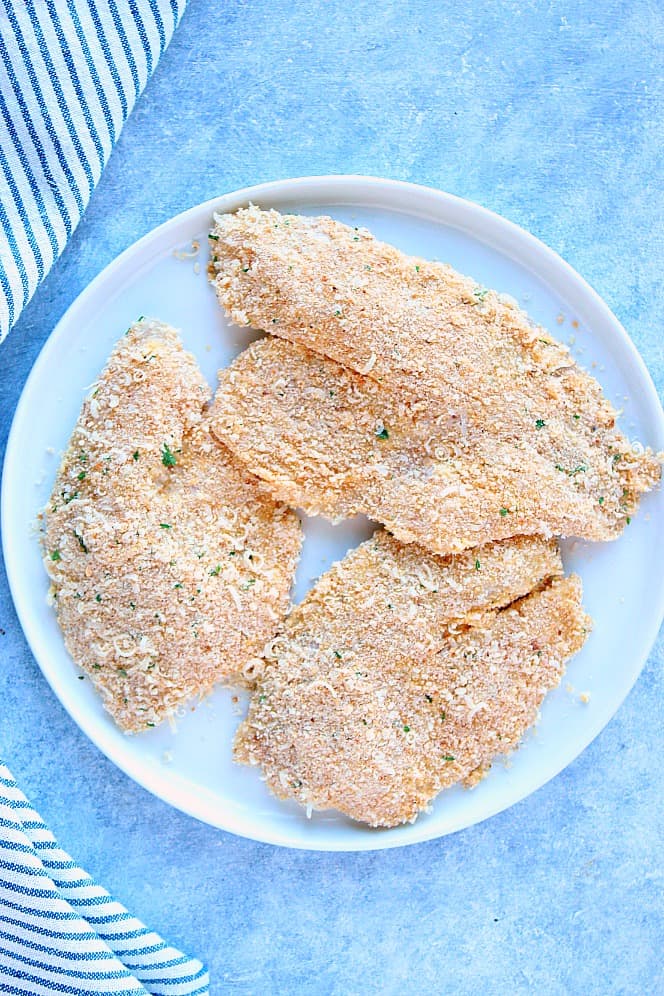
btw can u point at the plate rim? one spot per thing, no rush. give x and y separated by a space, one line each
305 188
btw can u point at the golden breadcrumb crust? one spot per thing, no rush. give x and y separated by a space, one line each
459 355
336 443
170 566
399 674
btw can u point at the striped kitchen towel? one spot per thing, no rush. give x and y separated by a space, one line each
61 933
70 73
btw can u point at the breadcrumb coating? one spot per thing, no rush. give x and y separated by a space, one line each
336 443
170 566
400 674
452 350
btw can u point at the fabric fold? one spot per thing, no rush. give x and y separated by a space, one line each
61 932
70 74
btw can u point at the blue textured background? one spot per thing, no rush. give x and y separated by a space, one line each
550 114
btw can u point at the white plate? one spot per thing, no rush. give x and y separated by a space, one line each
623 581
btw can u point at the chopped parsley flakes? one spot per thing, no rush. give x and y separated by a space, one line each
167 456
383 434
581 468
81 541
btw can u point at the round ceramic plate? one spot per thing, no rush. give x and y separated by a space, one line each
163 276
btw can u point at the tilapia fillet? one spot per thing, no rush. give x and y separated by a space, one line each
402 673
170 566
429 336
336 443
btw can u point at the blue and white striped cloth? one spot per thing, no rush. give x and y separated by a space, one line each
70 73
61 933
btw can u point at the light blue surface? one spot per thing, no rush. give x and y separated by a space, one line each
549 114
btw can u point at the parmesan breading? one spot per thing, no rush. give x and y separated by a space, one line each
399 674
456 352
336 443
170 566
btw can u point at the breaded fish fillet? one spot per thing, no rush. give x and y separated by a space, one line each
170 567
336 443
428 334
399 675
